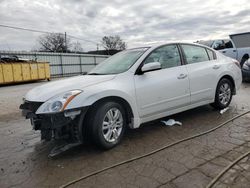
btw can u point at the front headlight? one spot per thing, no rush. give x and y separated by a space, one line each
57 103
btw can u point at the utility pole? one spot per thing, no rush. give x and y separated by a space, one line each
65 40
97 47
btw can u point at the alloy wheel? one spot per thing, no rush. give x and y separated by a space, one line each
112 125
225 93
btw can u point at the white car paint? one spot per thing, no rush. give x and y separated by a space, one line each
151 95
45 92
156 91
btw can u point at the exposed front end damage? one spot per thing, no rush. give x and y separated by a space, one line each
66 125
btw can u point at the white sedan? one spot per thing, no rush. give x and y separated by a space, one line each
130 88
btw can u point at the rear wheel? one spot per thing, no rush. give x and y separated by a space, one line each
107 124
223 94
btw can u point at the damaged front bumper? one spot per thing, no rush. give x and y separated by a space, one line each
67 125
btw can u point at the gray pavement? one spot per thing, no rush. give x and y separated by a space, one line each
24 161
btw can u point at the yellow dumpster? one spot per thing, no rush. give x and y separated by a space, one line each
22 71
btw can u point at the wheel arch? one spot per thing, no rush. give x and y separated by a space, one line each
231 80
120 100
243 59
85 118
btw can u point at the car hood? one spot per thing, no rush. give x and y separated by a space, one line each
44 92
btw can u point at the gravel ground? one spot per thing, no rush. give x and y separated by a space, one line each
24 161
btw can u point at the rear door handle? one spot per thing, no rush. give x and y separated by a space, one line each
182 76
216 66
223 52
234 50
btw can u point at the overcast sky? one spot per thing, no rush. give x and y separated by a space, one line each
137 22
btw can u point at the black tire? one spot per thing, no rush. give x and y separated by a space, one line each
95 124
218 104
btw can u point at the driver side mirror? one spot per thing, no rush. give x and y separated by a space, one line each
150 67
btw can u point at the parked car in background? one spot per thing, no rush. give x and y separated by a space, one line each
130 88
246 70
237 47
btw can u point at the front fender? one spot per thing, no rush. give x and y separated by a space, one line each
89 97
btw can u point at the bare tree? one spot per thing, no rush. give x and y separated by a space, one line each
113 43
54 42
76 47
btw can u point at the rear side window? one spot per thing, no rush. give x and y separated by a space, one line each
195 54
210 54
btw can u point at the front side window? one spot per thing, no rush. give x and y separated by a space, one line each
219 45
168 56
228 44
194 54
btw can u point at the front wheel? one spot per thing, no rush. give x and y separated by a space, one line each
223 94
108 124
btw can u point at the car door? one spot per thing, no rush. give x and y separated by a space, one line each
165 89
203 70
229 49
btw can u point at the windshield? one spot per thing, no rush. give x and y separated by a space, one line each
119 62
208 43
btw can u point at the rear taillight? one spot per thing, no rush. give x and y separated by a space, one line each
236 63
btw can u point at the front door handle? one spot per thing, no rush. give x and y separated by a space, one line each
182 76
216 66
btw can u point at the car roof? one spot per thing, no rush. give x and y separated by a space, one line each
166 43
